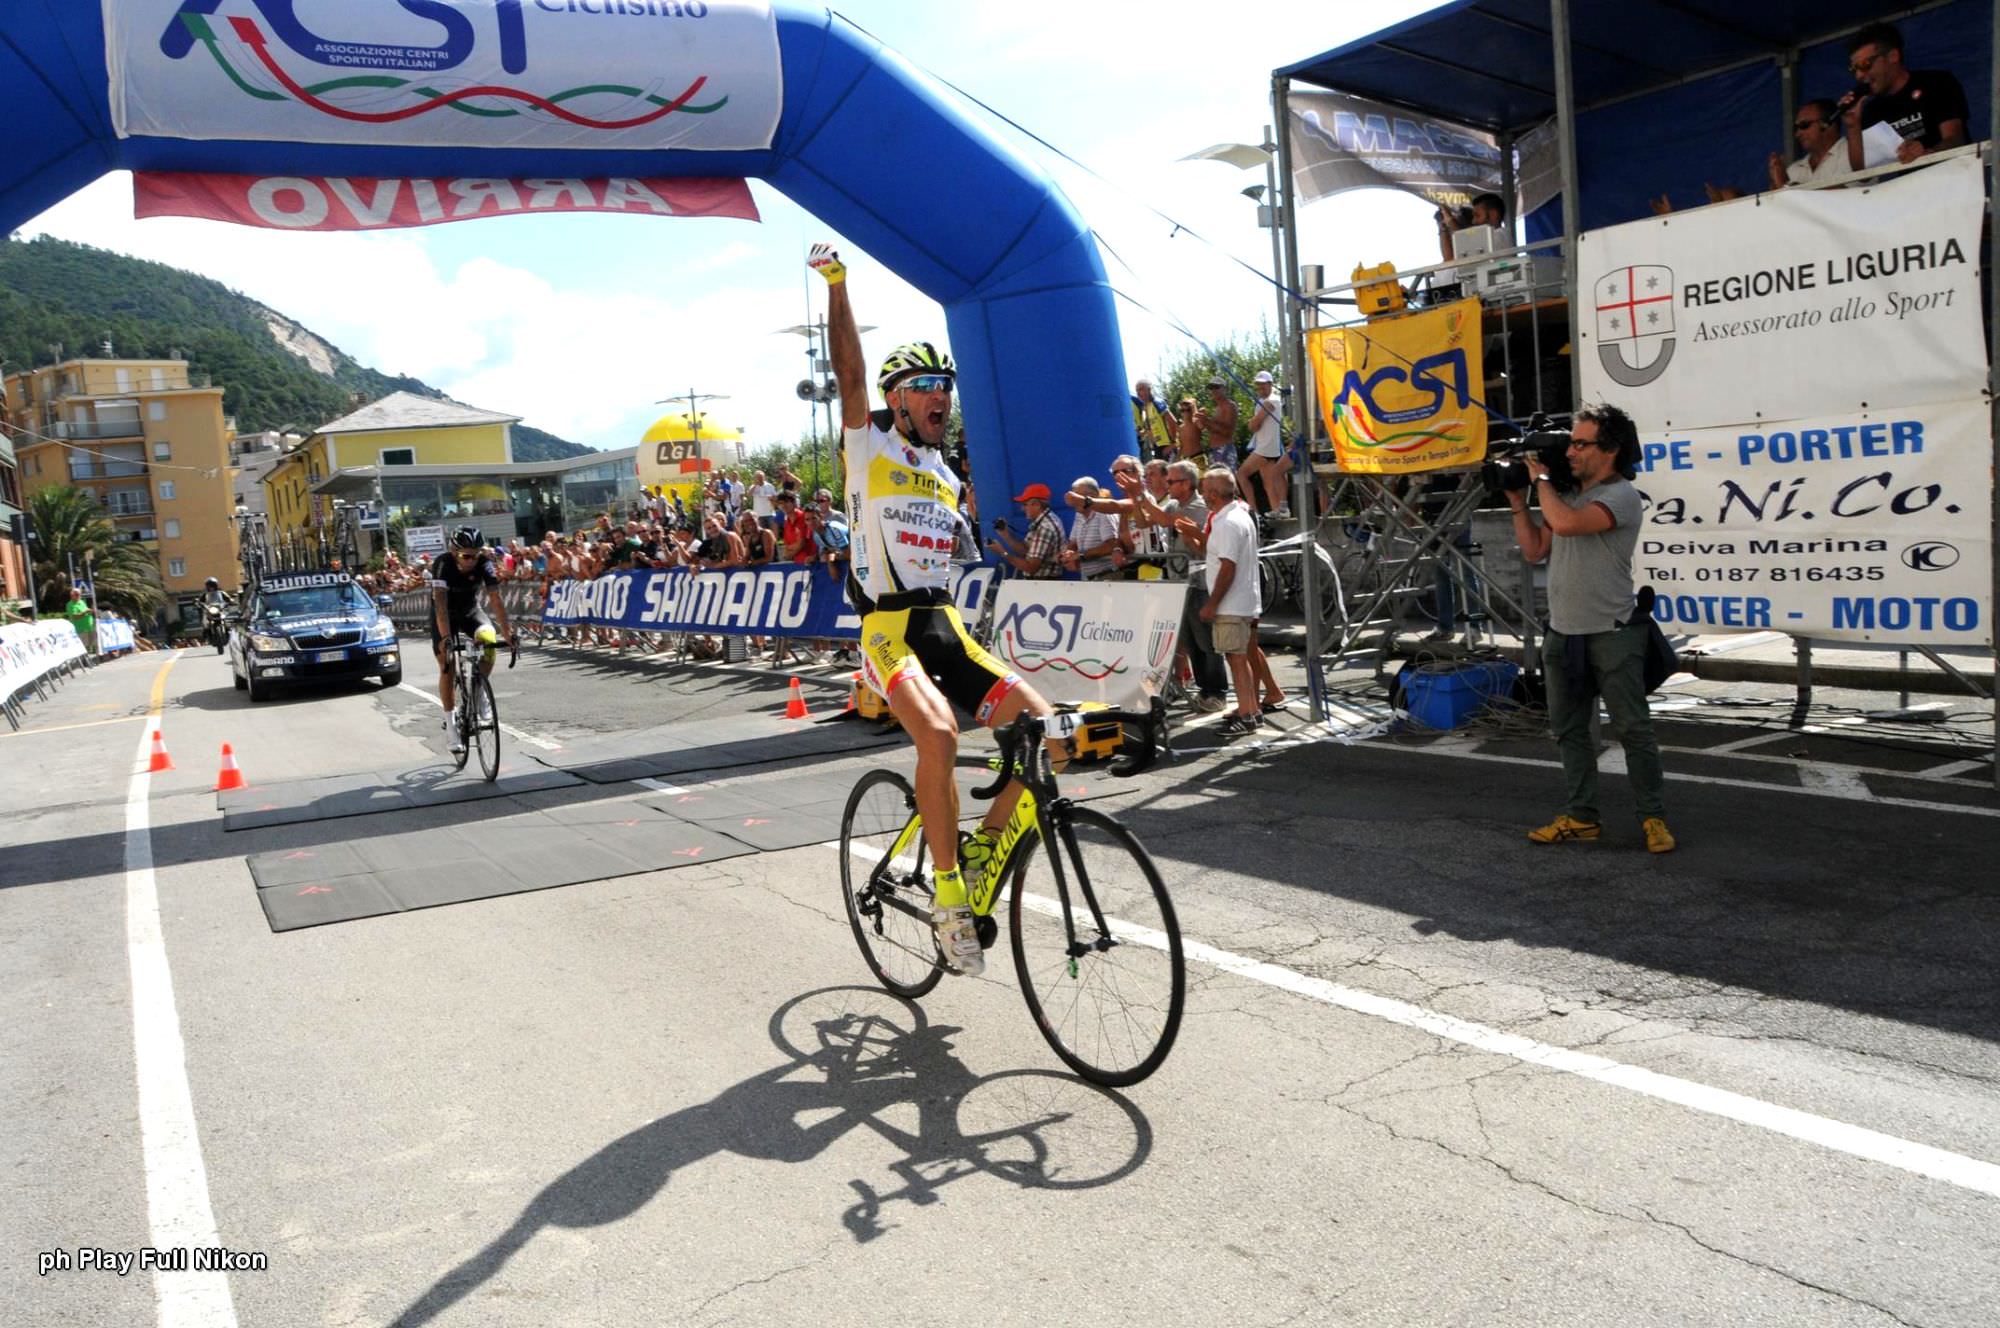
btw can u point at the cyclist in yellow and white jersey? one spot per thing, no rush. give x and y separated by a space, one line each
903 518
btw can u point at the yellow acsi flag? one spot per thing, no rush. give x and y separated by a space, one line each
1402 394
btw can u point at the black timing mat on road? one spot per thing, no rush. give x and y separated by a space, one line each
290 802
713 744
363 878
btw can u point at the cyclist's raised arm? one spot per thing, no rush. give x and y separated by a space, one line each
843 338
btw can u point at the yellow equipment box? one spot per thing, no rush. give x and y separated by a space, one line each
1381 296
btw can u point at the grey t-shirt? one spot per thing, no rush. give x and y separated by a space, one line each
1195 510
1590 576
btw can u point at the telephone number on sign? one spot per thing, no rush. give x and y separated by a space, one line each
1827 573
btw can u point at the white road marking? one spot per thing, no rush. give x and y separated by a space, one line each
1754 740
1857 1141
509 729
177 1202
1954 769
1849 789
659 786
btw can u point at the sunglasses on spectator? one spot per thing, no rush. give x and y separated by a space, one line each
1802 125
1860 67
927 383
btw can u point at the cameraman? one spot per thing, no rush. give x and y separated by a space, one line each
1596 643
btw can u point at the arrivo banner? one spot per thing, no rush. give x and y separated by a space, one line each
1865 527
1402 395
339 203
798 601
591 74
1109 641
1795 304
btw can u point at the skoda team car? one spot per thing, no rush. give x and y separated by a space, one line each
307 627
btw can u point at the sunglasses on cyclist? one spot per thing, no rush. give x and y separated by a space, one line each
927 383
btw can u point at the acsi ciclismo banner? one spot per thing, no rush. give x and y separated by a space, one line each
1109 641
801 601
610 74
1399 394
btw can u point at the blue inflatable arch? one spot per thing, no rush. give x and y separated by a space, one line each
1028 309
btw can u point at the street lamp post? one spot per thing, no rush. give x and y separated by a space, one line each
694 398
818 388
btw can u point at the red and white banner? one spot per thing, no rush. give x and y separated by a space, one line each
342 203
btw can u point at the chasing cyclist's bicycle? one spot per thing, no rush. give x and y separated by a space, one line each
1096 944
478 715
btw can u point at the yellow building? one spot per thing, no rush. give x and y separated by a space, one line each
401 429
150 444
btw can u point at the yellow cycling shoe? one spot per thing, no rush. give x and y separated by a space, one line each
1564 829
1659 839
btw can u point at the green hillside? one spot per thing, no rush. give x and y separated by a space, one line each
55 293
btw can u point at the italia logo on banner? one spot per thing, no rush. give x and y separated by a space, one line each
504 73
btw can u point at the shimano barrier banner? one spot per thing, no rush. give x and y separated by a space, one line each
1341 142
1795 304
1872 527
605 74
1109 641
738 601
1401 394
29 651
336 203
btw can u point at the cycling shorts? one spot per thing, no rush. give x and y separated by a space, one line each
930 639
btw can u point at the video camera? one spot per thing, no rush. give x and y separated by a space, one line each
1507 472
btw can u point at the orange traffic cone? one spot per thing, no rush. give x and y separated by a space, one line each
853 686
795 706
231 776
161 761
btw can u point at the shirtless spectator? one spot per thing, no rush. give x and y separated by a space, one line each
1189 433
1926 107
1219 425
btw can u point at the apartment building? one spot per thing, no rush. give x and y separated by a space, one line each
13 558
150 444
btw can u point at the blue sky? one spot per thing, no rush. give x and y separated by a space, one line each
580 324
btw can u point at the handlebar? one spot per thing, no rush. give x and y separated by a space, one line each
1030 730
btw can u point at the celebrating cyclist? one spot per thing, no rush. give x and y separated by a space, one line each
459 575
903 519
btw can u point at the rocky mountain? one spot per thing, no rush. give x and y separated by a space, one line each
274 372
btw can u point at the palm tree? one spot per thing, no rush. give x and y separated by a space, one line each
69 523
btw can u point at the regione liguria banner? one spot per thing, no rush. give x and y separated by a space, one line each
1797 303
1807 374
1341 142
1109 641
1401 394
339 203
1861 527
590 74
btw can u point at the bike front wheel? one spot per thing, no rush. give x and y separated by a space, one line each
1097 948
485 735
886 884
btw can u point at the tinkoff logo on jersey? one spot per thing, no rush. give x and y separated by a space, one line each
488 73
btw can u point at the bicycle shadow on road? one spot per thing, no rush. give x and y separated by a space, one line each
852 1055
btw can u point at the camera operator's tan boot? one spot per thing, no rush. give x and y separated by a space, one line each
1658 838
1564 829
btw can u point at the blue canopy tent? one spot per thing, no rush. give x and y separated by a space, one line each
1645 96
1030 313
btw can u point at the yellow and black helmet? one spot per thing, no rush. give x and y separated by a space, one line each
909 359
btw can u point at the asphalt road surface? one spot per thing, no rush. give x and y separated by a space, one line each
1430 1074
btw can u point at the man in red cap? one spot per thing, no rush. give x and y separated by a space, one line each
1039 554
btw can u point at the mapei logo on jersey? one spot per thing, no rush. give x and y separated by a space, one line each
1930 556
233 37
1635 319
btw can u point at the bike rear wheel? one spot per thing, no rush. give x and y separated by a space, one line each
485 735
888 899
1109 1002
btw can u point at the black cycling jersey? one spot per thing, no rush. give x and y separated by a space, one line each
461 585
